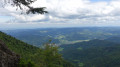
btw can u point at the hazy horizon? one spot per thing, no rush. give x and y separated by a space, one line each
63 13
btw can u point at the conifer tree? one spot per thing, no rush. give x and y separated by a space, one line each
26 3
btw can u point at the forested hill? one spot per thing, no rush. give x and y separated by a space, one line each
18 46
61 36
115 39
32 56
7 57
94 53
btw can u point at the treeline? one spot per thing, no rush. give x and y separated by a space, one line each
32 56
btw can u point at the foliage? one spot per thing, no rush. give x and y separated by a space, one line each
24 49
94 53
24 63
48 56
27 3
34 56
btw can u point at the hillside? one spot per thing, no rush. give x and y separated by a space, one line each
32 56
94 53
115 39
19 47
63 35
7 57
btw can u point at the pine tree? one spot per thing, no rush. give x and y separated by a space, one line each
48 56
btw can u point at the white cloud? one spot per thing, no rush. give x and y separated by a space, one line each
70 11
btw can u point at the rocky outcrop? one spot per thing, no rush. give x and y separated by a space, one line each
7 57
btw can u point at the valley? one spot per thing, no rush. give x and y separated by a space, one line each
60 36
84 47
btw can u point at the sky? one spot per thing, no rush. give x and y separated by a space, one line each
63 13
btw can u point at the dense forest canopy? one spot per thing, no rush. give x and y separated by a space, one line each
94 53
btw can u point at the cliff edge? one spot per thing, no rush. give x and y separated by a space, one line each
7 57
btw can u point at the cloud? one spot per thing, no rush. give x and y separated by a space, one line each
70 11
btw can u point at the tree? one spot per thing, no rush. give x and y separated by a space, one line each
26 3
48 56
24 63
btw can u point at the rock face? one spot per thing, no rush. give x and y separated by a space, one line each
7 57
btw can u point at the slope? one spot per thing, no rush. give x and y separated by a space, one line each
115 39
7 57
34 54
24 49
94 53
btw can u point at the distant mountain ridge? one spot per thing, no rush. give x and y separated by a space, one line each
60 36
